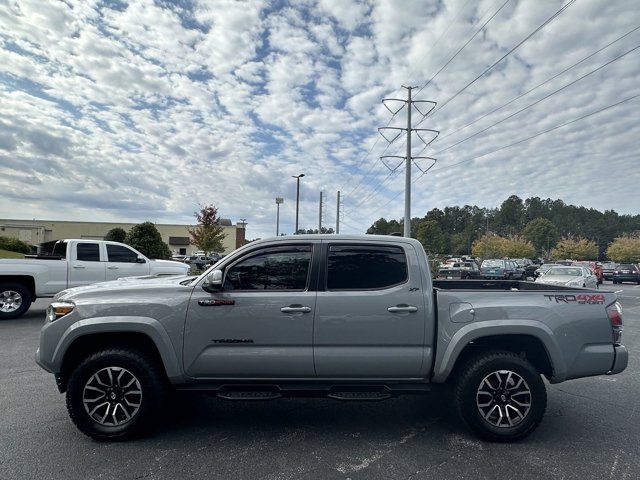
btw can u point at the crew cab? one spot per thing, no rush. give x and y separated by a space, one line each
71 263
347 317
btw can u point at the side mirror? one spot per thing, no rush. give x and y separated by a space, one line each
213 282
140 259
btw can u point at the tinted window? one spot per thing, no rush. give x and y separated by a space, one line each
88 252
625 266
283 268
118 253
493 264
364 267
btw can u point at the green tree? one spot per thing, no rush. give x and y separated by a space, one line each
116 234
14 245
489 246
146 238
542 233
511 214
208 234
575 248
384 227
625 249
302 231
430 235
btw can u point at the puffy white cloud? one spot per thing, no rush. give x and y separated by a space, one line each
143 111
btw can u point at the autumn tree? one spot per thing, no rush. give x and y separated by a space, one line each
208 234
625 249
488 246
518 247
575 248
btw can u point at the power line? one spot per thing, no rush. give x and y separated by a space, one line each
523 140
538 101
539 85
463 46
348 195
518 45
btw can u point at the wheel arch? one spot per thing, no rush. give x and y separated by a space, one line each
532 341
147 336
25 280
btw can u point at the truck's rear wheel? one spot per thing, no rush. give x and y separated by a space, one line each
114 394
15 300
500 396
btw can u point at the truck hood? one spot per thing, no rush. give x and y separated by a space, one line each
558 279
127 284
168 263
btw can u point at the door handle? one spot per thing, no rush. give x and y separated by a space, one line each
295 309
402 308
79 267
112 268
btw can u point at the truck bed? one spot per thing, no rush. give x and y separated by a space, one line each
501 285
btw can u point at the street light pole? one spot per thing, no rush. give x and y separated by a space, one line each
297 177
279 200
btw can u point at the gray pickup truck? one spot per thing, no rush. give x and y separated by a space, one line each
348 317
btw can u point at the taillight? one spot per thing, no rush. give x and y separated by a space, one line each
614 312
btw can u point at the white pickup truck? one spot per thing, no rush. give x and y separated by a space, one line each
72 263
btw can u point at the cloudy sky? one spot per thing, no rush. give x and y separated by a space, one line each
116 110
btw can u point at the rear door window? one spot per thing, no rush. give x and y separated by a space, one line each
364 267
88 252
120 254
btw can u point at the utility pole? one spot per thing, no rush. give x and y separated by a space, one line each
297 177
279 200
320 215
338 214
409 159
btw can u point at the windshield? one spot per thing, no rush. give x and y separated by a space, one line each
565 271
493 264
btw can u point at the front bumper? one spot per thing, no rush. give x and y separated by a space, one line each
620 360
41 363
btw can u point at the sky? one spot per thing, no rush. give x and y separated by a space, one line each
144 110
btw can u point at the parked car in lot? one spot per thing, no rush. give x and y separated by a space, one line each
626 272
595 267
501 269
462 270
542 269
528 266
72 263
607 270
349 317
203 261
575 276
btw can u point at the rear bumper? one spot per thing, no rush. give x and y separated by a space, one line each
626 278
620 360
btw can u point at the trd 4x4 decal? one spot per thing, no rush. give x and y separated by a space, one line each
582 299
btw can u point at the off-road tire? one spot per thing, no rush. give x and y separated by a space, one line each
469 379
153 385
25 295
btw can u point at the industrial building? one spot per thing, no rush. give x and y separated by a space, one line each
35 232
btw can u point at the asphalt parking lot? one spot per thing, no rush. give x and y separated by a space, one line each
591 430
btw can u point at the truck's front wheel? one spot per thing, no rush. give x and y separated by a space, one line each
113 394
500 396
15 300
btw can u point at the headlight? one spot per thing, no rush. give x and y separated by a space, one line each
59 309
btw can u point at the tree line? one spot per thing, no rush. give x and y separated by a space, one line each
534 226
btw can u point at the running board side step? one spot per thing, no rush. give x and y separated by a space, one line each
248 395
360 396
